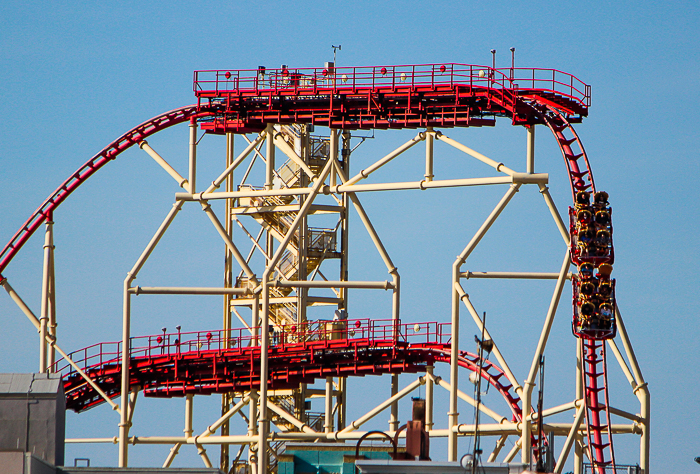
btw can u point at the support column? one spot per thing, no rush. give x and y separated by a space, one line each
46 297
189 411
253 429
429 140
453 415
530 149
342 403
328 425
193 156
394 417
270 155
429 399
124 420
227 398
264 348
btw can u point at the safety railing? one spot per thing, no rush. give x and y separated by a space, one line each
197 343
340 79
322 239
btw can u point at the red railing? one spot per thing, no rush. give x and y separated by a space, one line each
344 79
194 343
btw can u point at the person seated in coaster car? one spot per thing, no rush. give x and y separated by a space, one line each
583 199
602 238
583 217
602 218
605 314
605 290
585 270
586 235
600 200
587 288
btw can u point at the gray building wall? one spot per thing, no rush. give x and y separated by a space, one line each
33 415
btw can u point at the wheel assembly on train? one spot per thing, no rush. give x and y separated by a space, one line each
268 362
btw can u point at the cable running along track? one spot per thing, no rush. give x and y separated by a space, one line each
383 97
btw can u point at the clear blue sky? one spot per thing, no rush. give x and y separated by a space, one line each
77 75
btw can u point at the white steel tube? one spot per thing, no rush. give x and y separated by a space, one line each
497 449
270 155
453 414
429 140
368 226
366 172
423 185
541 344
495 351
394 412
211 429
227 239
328 412
530 148
482 408
514 275
217 182
52 307
35 321
156 238
429 398
570 439
382 406
642 392
376 285
512 453
333 156
189 409
563 230
262 424
290 418
193 156
555 410
45 297
125 371
517 178
182 182
289 151
177 290
623 364
497 166
126 318
171 455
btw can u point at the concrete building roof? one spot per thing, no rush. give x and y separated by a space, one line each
15 384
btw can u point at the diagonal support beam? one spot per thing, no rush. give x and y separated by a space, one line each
384 405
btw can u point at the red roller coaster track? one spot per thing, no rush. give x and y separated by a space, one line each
434 95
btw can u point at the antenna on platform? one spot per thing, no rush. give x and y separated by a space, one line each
336 48
512 62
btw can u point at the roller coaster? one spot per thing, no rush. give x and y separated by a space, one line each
270 361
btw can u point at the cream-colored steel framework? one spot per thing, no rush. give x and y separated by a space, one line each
293 252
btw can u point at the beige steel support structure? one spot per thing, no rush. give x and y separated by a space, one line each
227 398
333 181
453 414
263 422
124 423
48 302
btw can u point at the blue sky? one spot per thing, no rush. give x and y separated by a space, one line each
77 75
